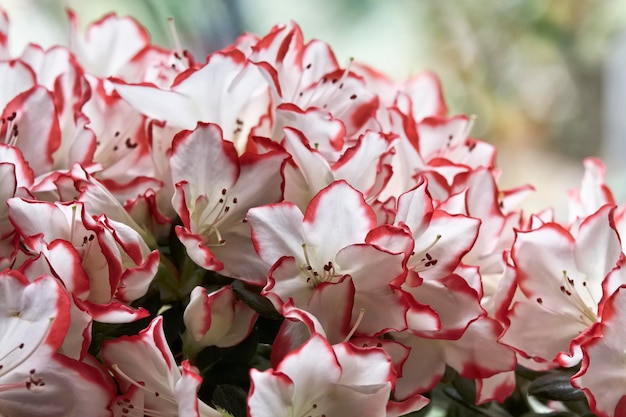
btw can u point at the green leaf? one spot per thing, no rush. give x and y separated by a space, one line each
256 301
555 386
230 398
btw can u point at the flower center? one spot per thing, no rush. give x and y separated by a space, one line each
141 386
324 91
11 131
209 218
583 300
423 260
32 383
312 275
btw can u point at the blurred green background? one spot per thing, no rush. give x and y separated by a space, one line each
544 78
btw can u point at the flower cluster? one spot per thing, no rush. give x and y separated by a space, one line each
272 233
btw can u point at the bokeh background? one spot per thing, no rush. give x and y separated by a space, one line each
545 79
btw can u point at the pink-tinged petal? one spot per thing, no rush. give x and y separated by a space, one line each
344 95
108 44
240 258
400 408
391 238
31 218
160 104
593 192
242 96
16 77
541 257
366 401
158 373
335 322
426 96
259 182
424 367
327 133
227 90
205 160
364 366
311 165
455 302
78 337
614 279
115 312
270 394
218 319
436 135
197 250
372 271
185 393
439 250
396 350
602 375
421 317
541 342
415 207
23 174
64 262
33 314
359 165
498 387
598 247
296 329
36 127
286 281
53 380
198 317
478 354
336 217
313 367
136 281
277 231
4 35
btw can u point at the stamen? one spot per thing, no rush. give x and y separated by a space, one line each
426 260
11 132
73 223
5 371
209 218
307 413
296 90
569 289
338 82
175 38
358 321
139 385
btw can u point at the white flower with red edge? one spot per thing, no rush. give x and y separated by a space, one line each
217 318
323 257
323 379
162 388
562 279
214 190
34 379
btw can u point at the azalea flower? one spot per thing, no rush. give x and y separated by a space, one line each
103 263
162 388
214 230
562 279
601 375
322 258
320 379
217 319
34 379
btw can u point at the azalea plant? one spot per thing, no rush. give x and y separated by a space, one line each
268 232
